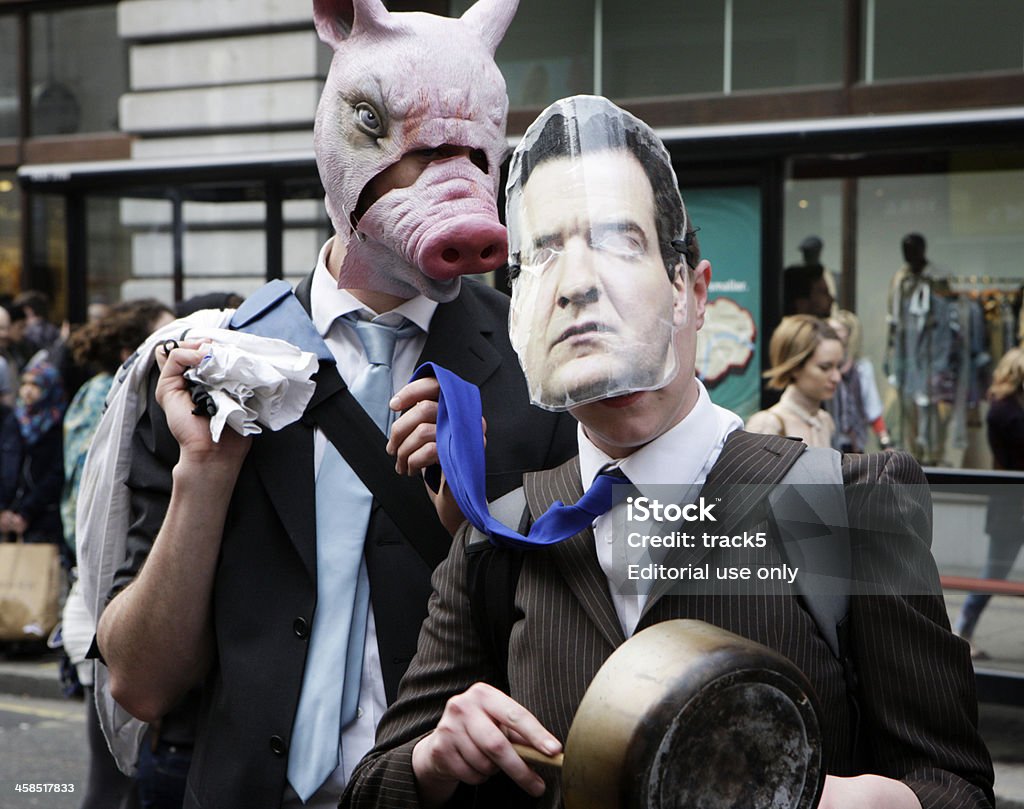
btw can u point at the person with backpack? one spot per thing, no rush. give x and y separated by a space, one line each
282 578
610 290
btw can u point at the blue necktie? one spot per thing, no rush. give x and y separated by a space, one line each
330 686
460 447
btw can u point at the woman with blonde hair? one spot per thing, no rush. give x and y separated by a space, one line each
1005 421
806 356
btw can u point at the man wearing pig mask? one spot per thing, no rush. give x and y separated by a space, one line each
274 578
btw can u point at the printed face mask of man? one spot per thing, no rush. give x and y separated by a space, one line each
593 305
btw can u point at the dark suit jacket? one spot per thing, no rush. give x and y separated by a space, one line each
265 587
916 690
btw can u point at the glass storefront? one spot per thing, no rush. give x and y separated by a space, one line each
10 235
933 336
47 269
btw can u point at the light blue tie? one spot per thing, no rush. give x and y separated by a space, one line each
330 685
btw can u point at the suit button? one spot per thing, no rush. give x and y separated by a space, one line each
277 746
301 627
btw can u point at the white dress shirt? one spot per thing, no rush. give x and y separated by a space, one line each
683 455
328 304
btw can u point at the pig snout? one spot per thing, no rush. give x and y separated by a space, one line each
462 246
445 224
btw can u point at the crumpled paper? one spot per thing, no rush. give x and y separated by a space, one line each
256 381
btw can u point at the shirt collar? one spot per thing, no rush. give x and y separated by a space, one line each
679 455
328 303
790 402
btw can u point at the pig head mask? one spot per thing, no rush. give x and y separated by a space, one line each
402 84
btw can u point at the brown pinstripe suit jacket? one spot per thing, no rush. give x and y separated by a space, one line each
916 686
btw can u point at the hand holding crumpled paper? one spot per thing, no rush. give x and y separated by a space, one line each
254 381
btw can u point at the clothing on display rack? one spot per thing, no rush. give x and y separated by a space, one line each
945 336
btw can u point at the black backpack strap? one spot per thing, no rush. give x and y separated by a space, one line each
405 500
274 311
492 574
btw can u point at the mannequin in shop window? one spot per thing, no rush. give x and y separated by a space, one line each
919 352
808 288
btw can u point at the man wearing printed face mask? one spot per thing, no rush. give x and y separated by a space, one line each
609 274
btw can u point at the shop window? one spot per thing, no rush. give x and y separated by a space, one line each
126 257
919 38
47 270
79 71
10 235
933 337
8 77
814 213
548 51
951 330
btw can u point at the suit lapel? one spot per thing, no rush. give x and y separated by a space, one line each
457 342
746 458
284 459
285 464
576 557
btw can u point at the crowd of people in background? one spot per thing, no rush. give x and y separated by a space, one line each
54 383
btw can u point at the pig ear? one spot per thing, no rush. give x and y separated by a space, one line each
337 20
491 19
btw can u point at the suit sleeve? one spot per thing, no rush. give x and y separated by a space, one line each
449 659
916 688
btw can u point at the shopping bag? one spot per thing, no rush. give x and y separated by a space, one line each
30 590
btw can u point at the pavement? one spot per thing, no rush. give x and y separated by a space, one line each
1000 637
31 676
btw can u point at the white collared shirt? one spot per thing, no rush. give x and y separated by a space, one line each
328 304
682 455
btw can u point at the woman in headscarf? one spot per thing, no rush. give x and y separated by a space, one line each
30 490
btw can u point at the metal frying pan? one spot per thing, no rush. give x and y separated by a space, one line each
686 715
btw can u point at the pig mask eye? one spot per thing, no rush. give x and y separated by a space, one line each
369 120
